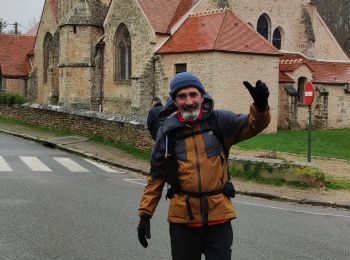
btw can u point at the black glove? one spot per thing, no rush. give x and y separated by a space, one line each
260 93
144 230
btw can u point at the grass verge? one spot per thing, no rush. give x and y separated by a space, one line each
337 183
333 143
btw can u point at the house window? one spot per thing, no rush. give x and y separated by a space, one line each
277 39
263 26
301 88
180 67
122 54
46 61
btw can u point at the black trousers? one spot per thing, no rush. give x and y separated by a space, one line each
189 243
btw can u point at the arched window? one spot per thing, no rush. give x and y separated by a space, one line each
301 88
46 61
122 54
277 38
263 26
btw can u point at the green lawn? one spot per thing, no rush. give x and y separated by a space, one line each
333 143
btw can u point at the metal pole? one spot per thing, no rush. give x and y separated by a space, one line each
309 136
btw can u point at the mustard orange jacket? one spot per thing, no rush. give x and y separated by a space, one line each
202 164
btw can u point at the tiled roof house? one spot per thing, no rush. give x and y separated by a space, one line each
16 53
114 56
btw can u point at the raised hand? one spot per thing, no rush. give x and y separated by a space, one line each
260 93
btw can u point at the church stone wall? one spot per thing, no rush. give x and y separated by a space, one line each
77 44
47 25
326 46
118 95
77 53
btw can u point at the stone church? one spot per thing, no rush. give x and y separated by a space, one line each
116 55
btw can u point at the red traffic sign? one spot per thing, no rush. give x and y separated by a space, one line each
309 93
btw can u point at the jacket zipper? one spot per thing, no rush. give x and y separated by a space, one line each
199 175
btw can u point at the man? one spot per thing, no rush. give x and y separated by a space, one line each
152 118
191 154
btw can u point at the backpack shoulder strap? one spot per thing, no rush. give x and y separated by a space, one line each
213 122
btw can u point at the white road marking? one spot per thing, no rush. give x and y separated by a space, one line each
103 167
139 183
292 210
35 164
4 167
70 164
135 181
259 205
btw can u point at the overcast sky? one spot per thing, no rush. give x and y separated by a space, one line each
22 11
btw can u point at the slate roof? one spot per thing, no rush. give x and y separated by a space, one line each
164 14
217 31
322 71
14 51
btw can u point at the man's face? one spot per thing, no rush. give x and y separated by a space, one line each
189 101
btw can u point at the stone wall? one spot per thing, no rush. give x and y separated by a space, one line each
128 130
288 15
288 106
119 96
15 86
326 47
290 172
223 75
76 64
47 25
338 107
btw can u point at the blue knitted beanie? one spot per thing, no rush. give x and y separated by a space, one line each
185 79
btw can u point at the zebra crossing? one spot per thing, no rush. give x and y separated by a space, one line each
40 164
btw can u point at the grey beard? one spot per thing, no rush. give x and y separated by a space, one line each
191 116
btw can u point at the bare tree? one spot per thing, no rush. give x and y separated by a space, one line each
3 25
336 14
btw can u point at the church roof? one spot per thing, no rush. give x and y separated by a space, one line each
14 51
87 12
217 30
322 71
163 14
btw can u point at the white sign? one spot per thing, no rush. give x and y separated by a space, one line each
309 94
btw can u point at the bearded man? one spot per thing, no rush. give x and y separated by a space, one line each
191 154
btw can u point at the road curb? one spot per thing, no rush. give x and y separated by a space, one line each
126 167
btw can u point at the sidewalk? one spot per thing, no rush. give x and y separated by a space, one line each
115 157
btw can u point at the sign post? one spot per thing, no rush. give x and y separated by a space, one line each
309 97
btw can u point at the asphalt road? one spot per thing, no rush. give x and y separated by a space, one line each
54 205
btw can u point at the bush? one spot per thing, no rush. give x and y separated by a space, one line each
11 99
